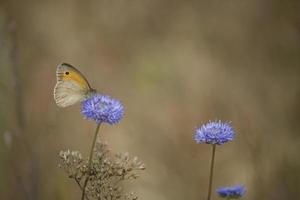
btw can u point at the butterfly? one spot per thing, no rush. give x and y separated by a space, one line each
71 86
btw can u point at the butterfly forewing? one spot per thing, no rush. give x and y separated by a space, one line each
71 86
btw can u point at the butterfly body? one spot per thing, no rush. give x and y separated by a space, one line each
71 86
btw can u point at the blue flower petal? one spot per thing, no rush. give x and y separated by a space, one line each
233 192
102 109
215 132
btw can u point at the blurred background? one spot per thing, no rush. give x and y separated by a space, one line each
175 65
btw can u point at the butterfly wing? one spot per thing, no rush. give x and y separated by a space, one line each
71 86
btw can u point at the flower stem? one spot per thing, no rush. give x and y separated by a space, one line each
78 183
211 171
90 161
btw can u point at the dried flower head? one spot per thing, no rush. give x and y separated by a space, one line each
214 132
71 162
102 108
233 192
107 172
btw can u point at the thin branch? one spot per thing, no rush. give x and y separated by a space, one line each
78 182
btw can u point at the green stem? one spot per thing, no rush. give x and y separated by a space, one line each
211 171
90 161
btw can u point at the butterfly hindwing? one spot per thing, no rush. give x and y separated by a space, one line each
71 86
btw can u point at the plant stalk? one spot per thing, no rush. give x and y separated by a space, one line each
211 171
90 161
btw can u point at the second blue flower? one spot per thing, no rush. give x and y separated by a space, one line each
233 192
214 132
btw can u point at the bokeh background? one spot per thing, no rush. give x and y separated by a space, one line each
175 65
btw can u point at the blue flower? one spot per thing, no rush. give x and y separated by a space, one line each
214 132
233 192
102 108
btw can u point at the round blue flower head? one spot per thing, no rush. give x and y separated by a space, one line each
102 108
214 132
233 192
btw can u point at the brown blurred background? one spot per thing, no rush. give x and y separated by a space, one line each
175 65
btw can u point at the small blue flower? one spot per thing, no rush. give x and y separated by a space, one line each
214 132
102 108
233 192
